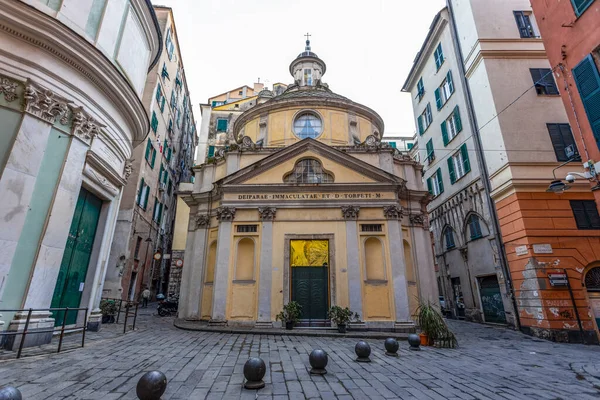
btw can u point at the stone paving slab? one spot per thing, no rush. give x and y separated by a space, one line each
491 363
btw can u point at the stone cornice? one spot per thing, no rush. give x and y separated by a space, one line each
107 171
40 30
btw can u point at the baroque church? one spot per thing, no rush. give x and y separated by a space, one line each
306 203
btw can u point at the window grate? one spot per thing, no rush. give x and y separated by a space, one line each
308 171
371 228
247 228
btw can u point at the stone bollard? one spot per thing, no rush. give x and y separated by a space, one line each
254 371
391 347
10 393
151 386
415 341
363 351
318 361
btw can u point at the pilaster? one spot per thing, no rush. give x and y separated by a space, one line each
225 215
398 271
350 214
267 215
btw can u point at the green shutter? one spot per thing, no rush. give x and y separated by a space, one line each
169 155
440 180
581 5
139 199
420 123
450 82
465 157
438 99
162 104
211 151
221 125
153 158
444 133
457 120
158 96
160 210
451 170
429 147
588 83
429 186
148 148
147 190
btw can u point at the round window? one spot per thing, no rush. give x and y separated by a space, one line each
308 125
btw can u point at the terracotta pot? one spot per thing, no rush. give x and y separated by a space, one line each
425 341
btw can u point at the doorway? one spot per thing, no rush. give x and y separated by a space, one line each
592 286
309 265
76 258
491 300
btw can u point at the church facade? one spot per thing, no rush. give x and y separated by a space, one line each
306 203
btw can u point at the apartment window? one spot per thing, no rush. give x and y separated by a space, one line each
308 77
173 99
425 119
221 125
143 194
410 145
459 164
165 73
420 89
158 209
581 5
160 98
211 151
154 122
138 244
449 238
586 214
430 152
150 153
438 56
435 185
543 81
524 24
452 126
443 93
169 46
474 226
392 144
562 141
588 84
371 228
247 228
241 93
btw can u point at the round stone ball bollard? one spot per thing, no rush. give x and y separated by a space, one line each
363 351
151 386
415 341
10 393
318 361
254 372
391 347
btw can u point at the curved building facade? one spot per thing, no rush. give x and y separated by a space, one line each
72 75
306 203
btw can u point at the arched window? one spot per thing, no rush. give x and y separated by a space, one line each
449 238
209 276
374 261
474 226
592 280
308 171
244 267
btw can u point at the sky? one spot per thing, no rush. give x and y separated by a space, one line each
368 46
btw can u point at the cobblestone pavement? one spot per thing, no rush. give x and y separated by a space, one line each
492 363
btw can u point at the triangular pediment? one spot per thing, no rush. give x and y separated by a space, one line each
345 168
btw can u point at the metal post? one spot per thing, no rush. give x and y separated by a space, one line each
119 311
126 315
575 307
135 315
62 330
84 328
24 333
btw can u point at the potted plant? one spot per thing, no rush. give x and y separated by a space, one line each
109 310
433 327
290 314
341 317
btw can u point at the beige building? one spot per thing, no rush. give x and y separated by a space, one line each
321 212
161 162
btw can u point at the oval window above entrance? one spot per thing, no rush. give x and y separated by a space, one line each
308 125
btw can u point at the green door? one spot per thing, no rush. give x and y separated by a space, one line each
491 300
76 258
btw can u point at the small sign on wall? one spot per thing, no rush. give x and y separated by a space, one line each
542 249
558 279
521 250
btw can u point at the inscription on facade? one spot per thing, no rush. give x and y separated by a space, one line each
311 196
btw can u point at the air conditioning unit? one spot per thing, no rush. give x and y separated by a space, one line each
162 187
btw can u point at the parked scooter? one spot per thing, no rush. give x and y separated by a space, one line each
167 306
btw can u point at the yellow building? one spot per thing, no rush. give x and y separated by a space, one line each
308 205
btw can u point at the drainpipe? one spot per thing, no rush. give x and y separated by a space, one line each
485 177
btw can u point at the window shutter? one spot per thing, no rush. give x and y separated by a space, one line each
139 199
160 210
146 195
519 17
549 83
592 213
588 83
436 57
428 114
445 133
457 120
153 158
440 181
429 186
162 104
148 147
420 123
465 157
557 142
160 175
169 155
158 96
221 125
438 99
429 147
154 211
450 82
211 151
579 214
581 5
451 170
567 137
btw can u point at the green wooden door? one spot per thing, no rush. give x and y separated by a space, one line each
76 258
491 300
309 288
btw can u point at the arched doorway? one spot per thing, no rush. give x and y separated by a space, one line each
592 285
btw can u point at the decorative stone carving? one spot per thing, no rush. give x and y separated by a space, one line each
9 89
267 213
84 126
202 221
417 219
225 213
371 141
464 252
426 199
247 143
350 212
393 212
128 169
43 103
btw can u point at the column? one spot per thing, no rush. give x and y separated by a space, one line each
225 215
424 259
350 214
267 215
393 214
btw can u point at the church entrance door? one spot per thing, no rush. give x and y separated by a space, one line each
309 264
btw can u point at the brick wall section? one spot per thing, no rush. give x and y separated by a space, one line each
546 218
